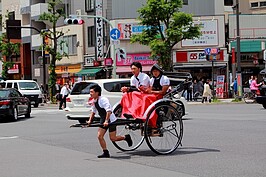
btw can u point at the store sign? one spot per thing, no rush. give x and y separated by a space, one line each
128 29
99 30
209 34
89 60
108 62
220 86
196 56
144 59
14 69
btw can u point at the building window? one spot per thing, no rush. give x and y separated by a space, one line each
254 4
89 4
263 4
228 2
185 2
91 36
69 45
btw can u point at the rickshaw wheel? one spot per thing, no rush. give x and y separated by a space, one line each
133 129
166 135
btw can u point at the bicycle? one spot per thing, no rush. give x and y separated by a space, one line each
249 96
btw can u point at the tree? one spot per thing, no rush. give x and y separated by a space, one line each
165 27
55 12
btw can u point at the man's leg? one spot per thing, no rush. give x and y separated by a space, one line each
114 137
101 133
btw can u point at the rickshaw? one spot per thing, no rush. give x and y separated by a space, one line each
163 139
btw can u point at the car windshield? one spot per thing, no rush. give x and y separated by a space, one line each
3 93
28 86
82 88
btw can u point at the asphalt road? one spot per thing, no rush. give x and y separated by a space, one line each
219 140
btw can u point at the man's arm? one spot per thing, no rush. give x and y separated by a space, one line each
91 118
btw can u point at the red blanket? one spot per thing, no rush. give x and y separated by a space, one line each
136 103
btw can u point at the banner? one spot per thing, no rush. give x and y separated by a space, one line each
220 86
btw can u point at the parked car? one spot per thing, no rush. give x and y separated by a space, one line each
78 101
27 88
13 104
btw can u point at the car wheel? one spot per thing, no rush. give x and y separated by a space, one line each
14 115
28 112
264 105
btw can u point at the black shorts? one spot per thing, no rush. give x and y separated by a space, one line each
111 127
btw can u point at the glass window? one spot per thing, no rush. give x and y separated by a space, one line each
228 2
15 93
185 2
254 4
9 85
28 86
116 86
16 85
89 4
81 88
69 45
263 4
91 36
3 93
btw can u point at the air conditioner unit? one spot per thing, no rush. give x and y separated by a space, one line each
78 12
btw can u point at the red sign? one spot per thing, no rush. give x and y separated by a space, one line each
144 59
108 62
14 69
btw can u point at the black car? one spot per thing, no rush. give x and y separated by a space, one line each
13 104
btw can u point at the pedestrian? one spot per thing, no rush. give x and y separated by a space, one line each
201 86
188 87
235 87
196 92
207 92
107 120
254 86
63 94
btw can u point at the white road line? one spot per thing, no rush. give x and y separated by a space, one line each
8 137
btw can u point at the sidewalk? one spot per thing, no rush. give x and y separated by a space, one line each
220 101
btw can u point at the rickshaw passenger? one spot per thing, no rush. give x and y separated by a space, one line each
139 81
159 83
107 120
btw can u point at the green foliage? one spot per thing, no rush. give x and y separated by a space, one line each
55 12
177 26
7 49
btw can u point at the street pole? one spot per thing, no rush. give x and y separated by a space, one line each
238 51
113 51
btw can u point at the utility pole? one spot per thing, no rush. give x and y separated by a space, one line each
238 37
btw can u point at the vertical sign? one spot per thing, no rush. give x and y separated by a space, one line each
99 30
220 86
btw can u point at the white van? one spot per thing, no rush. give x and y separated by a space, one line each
27 88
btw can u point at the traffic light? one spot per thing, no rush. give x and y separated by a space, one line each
75 21
121 54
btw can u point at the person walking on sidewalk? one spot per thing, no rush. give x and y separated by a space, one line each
107 120
63 94
207 92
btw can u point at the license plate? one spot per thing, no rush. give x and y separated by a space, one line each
78 102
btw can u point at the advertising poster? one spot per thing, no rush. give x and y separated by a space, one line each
220 86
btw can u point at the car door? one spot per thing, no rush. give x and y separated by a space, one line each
21 102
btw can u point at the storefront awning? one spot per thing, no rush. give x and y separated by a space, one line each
126 69
88 72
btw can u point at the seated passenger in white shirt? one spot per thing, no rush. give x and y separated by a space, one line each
139 81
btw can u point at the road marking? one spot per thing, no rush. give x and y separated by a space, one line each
8 137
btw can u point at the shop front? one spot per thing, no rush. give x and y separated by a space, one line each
123 65
67 73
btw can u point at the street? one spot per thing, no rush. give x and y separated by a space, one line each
219 140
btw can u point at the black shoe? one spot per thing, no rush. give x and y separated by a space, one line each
128 140
105 154
60 109
128 116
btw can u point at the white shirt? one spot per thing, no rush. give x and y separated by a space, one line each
143 79
163 81
64 91
104 103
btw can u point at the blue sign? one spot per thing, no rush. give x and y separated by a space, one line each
207 51
114 34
